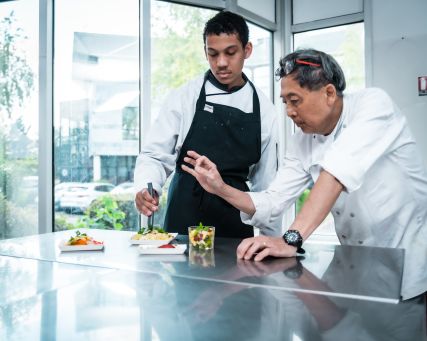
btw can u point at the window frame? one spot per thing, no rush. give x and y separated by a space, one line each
46 76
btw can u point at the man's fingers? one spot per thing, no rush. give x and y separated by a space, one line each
145 203
193 154
146 197
264 253
244 245
189 160
256 245
201 170
205 163
189 170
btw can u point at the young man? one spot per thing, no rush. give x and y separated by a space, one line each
222 115
362 158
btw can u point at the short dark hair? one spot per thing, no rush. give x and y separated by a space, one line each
312 69
229 23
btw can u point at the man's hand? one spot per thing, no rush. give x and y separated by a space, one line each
264 246
204 171
145 203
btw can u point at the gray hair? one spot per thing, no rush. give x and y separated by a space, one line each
312 69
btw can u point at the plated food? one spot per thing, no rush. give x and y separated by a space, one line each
201 237
81 242
154 236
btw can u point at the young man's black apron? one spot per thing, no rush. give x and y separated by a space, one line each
231 139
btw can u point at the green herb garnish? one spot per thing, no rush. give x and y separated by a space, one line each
77 236
202 227
145 230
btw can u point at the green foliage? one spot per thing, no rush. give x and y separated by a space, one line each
17 204
352 48
301 200
17 78
16 221
178 51
104 213
12 173
61 223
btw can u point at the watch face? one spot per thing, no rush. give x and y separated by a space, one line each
293 237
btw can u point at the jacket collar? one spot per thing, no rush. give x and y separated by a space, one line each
224 87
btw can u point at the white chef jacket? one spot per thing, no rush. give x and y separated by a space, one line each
160 151
372 153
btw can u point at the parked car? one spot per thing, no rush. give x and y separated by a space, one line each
59 191
79 197
124 188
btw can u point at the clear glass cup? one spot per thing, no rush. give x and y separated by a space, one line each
201 237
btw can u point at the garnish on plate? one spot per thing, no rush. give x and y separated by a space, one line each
156 233
167 246
82 239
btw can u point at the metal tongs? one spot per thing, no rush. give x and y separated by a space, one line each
151 217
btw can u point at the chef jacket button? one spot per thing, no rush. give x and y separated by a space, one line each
314 136
352 215
337 212
360 241
344 126
343 236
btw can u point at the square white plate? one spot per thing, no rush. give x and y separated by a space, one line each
153 242
179 249
90 247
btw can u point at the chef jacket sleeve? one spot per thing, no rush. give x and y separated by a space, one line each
372 132
291 180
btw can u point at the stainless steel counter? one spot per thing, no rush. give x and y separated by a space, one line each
335 293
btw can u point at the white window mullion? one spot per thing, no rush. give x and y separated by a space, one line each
45 202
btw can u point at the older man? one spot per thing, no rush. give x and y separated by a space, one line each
360 154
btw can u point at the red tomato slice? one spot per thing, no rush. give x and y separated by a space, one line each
166 246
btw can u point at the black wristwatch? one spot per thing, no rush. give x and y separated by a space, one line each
293 238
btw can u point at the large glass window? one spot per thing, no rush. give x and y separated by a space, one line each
258 67
96 96
19 52
96 112
345 43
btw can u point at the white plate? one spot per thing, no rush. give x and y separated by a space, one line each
90 247
153 242
179 249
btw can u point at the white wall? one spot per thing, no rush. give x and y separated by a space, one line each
399 57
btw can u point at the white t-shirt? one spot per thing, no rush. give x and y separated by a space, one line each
164 141
373 154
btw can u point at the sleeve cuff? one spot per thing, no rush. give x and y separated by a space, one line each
262 216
